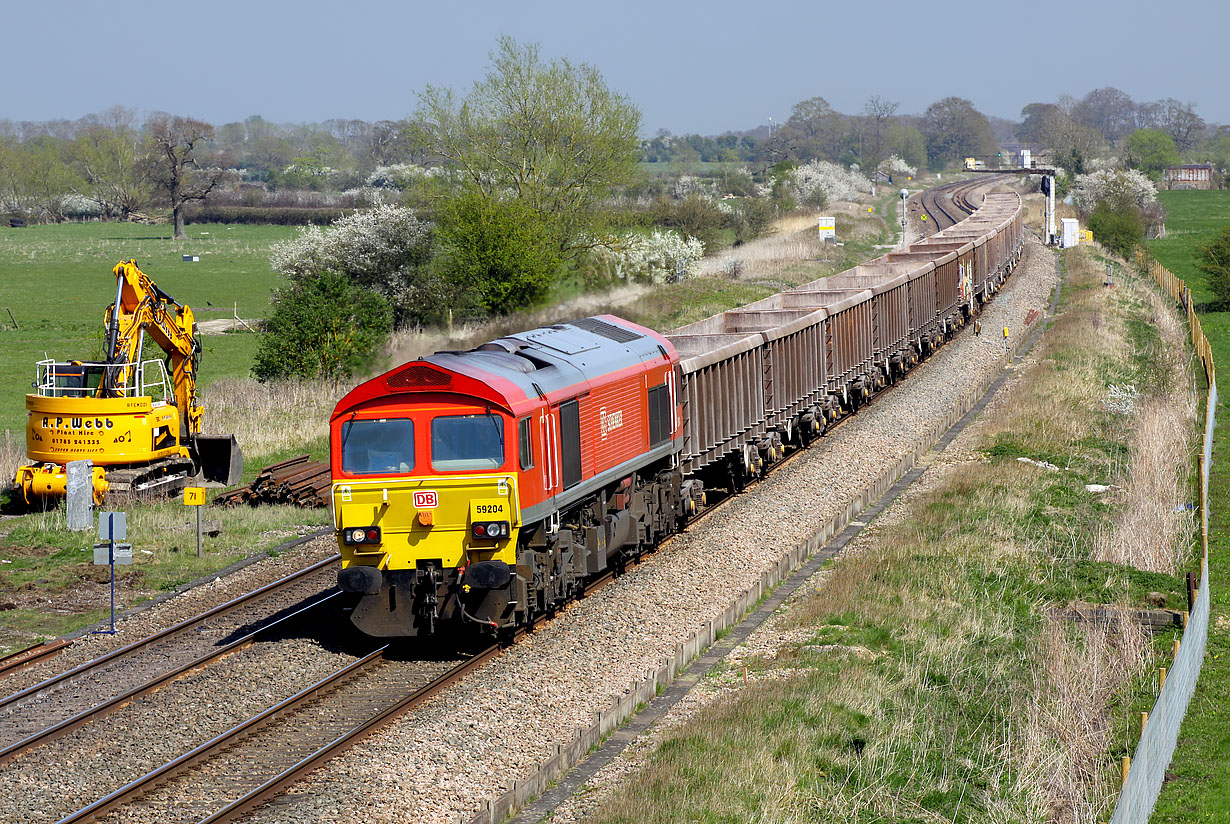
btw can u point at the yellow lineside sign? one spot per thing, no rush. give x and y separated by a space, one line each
194 496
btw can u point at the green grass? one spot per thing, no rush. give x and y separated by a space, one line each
1200 789
57 282
41 555
908 697
1192 218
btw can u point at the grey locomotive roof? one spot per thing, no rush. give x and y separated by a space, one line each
554 358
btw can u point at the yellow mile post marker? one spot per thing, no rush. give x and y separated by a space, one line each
195 496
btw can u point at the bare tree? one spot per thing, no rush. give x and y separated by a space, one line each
1180 121
1072 142
172 156
1108 110
874 123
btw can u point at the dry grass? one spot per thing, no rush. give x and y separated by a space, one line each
12 455
1154 530
274 418
770 256
1066 733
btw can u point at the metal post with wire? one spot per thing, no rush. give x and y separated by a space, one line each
905 196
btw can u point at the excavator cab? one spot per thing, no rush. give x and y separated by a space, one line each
75 379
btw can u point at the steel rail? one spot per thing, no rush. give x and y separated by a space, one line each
180 764
22 658
102 709
275 785
253 726
166 633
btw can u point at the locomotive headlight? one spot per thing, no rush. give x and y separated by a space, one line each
491 531
361 535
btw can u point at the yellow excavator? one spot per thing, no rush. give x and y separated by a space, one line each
139 427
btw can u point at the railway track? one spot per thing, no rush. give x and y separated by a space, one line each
22 658
258 758
949 204
46 710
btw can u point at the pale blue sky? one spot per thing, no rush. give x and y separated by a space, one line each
690 67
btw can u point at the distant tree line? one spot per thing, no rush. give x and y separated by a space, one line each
480 202
1108 124
949 130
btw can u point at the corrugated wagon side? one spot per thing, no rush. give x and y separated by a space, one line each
722 390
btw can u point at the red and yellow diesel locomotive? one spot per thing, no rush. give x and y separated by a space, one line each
486 487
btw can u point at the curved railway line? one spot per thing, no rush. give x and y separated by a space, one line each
259 758
951 203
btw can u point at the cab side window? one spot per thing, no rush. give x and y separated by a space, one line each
526 441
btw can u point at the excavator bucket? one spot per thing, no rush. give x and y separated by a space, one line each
219 458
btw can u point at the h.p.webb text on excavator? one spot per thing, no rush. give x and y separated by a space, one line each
141 430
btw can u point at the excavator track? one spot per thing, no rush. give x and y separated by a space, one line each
150 481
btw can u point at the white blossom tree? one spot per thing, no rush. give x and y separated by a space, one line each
384 249
1116 186
821 182
657 257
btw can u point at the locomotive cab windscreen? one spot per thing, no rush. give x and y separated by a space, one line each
448 442
372 447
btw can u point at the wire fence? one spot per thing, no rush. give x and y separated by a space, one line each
1145 771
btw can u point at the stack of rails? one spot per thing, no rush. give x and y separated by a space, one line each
781 368
297 481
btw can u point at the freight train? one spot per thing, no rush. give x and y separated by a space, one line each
482 490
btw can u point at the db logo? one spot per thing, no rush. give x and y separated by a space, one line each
426 499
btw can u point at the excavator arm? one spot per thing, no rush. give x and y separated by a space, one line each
140 306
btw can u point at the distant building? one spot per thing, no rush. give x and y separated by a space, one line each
1188 176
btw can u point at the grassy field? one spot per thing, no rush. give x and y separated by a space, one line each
926 680
1199 785
57 282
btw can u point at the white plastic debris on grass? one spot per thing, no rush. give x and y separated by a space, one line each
1042 464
